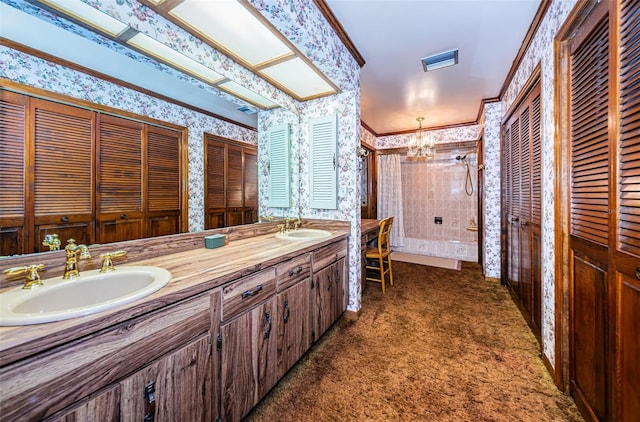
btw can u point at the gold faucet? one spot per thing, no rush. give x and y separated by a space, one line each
52 241
107 264
33 278
71 266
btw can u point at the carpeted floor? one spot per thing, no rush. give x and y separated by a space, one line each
441 345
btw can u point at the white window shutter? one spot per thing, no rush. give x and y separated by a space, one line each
279 192
324 163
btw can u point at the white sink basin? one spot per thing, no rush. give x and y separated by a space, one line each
304 234
92 292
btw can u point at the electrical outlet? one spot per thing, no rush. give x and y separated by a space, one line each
438 220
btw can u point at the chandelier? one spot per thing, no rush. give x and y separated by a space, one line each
421 146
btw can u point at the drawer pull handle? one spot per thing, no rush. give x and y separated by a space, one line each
249 293
149 396
287 311
123 216
296 271
638 273
267 319
65 219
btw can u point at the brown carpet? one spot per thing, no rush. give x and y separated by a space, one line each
441 345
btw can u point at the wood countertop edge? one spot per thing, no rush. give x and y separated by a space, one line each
192 274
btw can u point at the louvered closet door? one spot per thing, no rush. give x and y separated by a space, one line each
506 203
63 139
163 181
119 180
589 215
524 223
235 176
513 272
13 118
627 253
215 184
536 210
250 186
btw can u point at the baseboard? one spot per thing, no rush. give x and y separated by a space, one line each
551 370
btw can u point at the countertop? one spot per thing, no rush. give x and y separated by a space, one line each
369 225
193 271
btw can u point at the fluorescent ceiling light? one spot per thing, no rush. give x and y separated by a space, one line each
298 77
170 56
438 61
232 27
88 15
247 95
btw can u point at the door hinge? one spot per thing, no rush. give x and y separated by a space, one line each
219 342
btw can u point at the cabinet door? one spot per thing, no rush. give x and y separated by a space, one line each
63 139
325 299
163 181
294 332
13 118
104 406
249 356
176 387
119 180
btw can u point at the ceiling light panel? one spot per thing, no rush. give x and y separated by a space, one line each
247 95
300 78
170 56
231 26
86 14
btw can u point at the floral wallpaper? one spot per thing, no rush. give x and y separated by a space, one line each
455 134
491 117
32 71
541 52
367 137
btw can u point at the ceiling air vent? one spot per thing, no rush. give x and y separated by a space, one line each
438 61
246 110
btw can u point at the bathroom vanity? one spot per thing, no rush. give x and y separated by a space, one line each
208 346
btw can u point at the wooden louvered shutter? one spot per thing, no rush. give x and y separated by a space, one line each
13 112
163 181
536 161
63 159
629 147
163 169
279 191
589 138
235 175
525 166
120 165
323 161
119 184
515 168
506 159
215 183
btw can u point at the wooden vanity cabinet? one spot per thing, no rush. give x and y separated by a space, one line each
170 347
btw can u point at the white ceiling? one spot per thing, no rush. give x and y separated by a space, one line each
393 35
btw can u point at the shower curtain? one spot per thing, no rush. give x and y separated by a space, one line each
390 195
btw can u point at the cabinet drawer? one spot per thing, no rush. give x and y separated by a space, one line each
243 294
290 272
44 384
328 254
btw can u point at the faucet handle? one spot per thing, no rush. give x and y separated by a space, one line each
52 241
33 278
107 264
